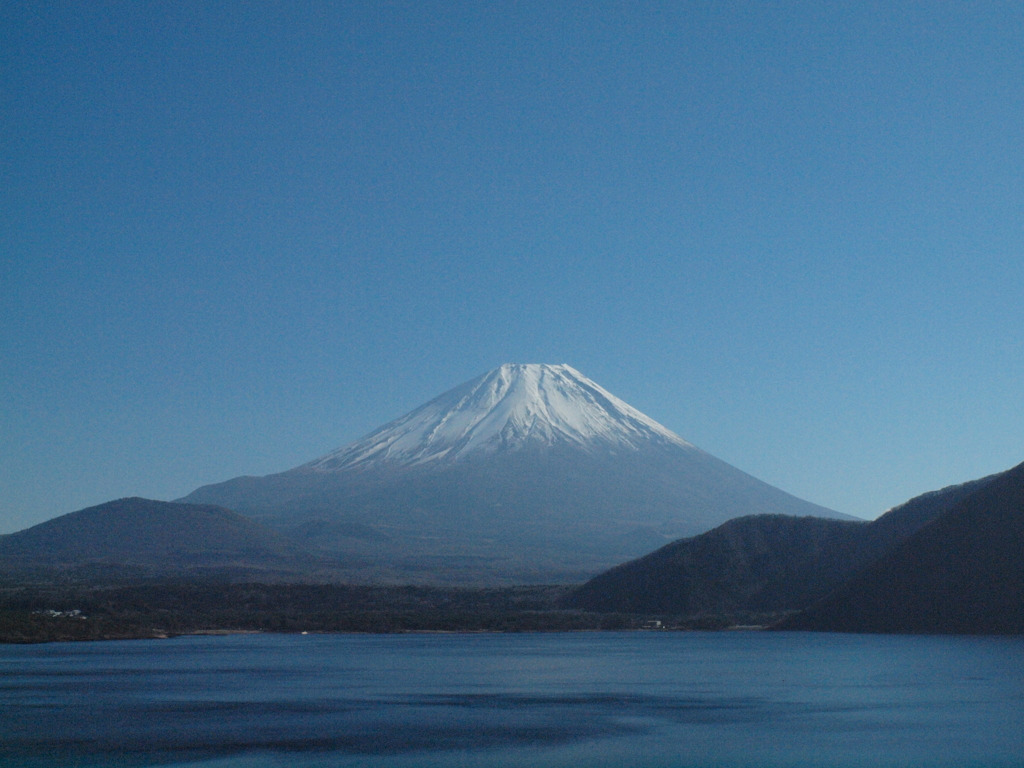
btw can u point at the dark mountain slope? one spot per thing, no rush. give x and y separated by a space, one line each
761 562
962 573
142 532
910 516
756 563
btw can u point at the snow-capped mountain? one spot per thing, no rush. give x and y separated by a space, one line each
528 473
509 408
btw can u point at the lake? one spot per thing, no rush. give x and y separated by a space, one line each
633 699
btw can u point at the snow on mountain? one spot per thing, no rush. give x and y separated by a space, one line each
506 409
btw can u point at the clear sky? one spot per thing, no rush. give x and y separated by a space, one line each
237 235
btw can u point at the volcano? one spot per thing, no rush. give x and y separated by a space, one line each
526 474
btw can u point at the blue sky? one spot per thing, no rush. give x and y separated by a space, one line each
236 236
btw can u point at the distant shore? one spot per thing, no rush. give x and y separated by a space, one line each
80 612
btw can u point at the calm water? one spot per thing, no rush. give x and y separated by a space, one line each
586 699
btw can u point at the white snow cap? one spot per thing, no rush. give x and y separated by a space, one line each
506 409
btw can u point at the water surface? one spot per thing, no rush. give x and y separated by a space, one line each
634 699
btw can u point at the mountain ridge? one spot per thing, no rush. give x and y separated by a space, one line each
960 573
149 534
765 563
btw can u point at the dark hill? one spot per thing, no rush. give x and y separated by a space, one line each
756 563
963 573
151 534
760 563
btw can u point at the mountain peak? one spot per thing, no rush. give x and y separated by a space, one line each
526 474
507 408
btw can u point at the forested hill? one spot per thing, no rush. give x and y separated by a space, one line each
963 573
150 534
764 563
